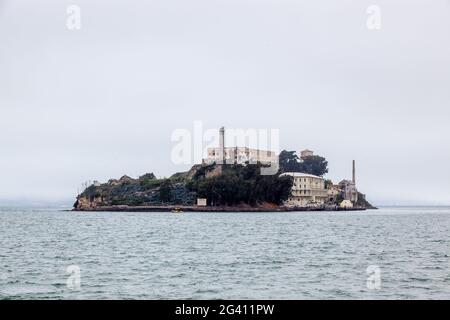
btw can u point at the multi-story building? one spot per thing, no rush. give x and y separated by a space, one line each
333 192
348 188
238 155
307 189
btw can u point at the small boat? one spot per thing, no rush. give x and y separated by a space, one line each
177 210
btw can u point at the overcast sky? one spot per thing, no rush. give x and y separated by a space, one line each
103 101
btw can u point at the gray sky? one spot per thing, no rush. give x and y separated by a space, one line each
102 101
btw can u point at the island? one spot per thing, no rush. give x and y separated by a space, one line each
231 180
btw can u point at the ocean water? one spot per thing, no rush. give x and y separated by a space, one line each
317 255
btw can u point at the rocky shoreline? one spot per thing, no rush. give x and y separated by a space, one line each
217 188
171 208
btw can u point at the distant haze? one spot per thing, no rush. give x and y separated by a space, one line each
103 101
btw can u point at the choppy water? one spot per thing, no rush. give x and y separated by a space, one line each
225 256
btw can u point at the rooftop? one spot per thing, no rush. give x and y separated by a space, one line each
300 174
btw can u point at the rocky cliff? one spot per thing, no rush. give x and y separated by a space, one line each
232 185
147 190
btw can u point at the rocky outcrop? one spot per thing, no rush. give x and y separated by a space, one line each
89 203
363 203
126 191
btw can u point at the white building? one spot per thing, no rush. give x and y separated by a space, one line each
307 189
346 204
238 155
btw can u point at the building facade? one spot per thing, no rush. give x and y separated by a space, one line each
240 155
348 188
349 191
307 190
237 155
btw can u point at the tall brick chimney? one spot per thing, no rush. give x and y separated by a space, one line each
353 172
222 144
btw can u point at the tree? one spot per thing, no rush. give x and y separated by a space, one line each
290 162
147 176
242 184
165 190
328 184
315 165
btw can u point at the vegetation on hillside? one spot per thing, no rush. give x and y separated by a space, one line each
146 190
240 185
290 162
224 185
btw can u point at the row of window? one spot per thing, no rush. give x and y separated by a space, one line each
299 192
268 153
